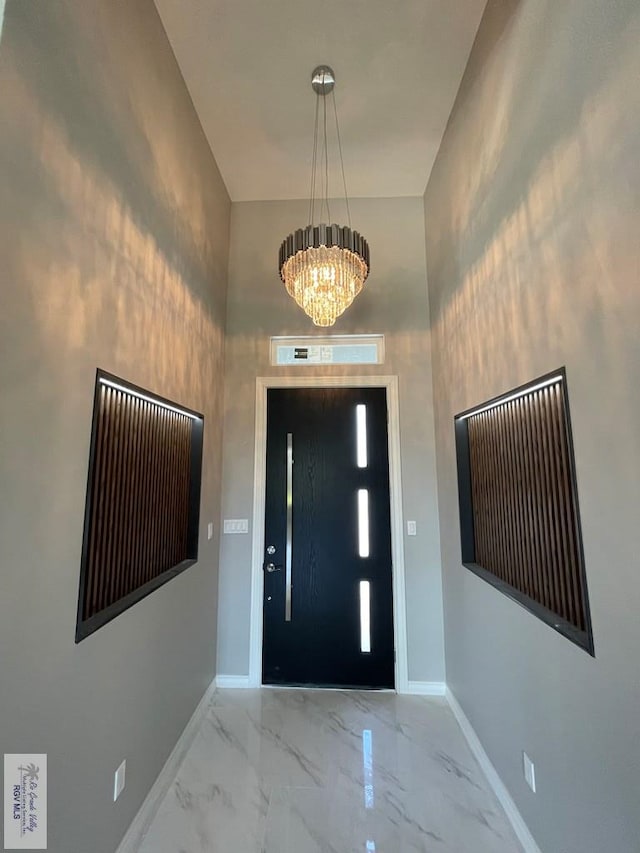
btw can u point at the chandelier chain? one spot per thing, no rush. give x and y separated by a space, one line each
344 180
321 153
326 161
314 161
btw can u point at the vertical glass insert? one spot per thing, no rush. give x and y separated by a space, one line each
363 522
361 436
365 616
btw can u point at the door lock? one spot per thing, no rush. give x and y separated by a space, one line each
271 549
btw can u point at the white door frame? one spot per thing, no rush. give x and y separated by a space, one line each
390 383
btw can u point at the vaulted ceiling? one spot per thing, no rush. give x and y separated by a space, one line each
247 65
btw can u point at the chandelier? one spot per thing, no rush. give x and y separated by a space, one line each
324 267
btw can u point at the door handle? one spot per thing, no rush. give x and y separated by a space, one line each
271 567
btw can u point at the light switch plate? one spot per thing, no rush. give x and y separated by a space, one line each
118 781
236 525
412 529
210 530
529 771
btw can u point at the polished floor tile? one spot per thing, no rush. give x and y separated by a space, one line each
314 771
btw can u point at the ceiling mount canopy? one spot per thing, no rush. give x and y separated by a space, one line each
324 267
323 79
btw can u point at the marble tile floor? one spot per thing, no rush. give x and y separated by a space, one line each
313 771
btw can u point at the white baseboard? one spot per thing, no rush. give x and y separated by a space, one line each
147 811
517 822
237 682
425 688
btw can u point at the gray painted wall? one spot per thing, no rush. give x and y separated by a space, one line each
394 301
114 228
533 254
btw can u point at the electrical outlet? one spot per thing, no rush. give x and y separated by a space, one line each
210 530
529 771
118 781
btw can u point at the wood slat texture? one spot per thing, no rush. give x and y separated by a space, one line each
139 497
524 503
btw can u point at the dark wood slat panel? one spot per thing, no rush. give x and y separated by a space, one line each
162 494
171 487
113 499
555 500
476 501
174 462
492 556
484 493
515 541
526 527
132 500
175 465
166 499
171 490
124 486
151 518
154 505
113 414
105 569
560 496
182 473
165 505
544 519
523 528
186 486
534 554
535 557
169 495
476 497
574 573
502 475
90 601
160 563
511 555
141 479
98 533
145 517
501 508
521 499
139 497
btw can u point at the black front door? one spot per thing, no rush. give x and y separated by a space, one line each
328 604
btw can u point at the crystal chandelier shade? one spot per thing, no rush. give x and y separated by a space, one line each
324 267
